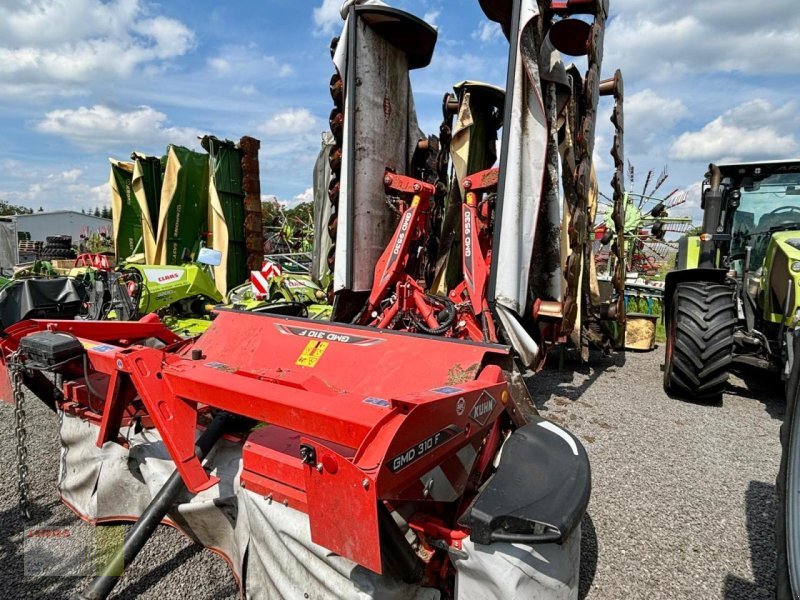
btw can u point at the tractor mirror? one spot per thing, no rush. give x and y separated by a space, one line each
210 257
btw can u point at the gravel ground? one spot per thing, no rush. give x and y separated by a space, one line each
682 503
683 494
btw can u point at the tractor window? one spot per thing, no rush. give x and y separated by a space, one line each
766 205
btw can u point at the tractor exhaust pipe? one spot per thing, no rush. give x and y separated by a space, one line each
141 531
712 209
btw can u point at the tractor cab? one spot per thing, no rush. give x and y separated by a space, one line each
760 213
762 199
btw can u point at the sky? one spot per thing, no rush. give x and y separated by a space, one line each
84 80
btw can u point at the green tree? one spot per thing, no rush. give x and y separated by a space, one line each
105 213
96 211
6 208
40 209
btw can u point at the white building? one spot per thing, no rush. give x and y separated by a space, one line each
59 222
40 225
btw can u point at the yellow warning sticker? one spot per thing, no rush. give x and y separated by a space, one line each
311 354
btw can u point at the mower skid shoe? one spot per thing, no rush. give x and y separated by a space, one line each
539 492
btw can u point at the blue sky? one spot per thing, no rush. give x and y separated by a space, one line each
82 80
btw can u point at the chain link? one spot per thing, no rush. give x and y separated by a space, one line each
16 369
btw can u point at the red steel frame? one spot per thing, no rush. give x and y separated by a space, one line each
476 254
376 421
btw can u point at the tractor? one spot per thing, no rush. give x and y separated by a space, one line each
731 300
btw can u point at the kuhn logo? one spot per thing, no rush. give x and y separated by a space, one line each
483 409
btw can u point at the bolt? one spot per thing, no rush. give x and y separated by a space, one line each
427 491
387 180
467 184
269 498
119 363
365 484
417 187
319 467
197 354
286 503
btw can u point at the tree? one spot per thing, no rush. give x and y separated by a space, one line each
40 209
83 211
96 211
105 213
12 209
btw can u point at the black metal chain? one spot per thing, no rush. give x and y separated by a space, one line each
16 369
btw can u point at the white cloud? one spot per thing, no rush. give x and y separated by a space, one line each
487 31
290 122
431 17
237 59
649 115
62 190
327 17
306 195
219 64
656 40
52 47
102 127
753 130
245 90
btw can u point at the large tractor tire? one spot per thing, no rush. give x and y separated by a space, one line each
700 341
787 522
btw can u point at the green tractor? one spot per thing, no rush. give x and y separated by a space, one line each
733 298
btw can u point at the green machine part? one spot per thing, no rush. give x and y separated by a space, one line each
152 168
779 280
165 285
183 218
127 214
227 197
688 256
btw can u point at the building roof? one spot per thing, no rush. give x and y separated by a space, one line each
61 212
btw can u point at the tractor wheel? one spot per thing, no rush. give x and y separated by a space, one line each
700 341
787 522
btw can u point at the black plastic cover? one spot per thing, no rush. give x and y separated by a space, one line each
40 299
48 349
539 492
403 30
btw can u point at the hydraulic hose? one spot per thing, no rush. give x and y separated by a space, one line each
103 584
449 311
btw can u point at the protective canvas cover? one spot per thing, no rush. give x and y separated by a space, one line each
40 298
226 213
379 108
147 180
525 143
322 208
126 215
183 218
522 172
268 545
8 245
472 149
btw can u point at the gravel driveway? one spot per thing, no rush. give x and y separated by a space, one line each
682 503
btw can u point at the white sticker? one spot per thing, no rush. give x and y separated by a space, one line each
163 275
